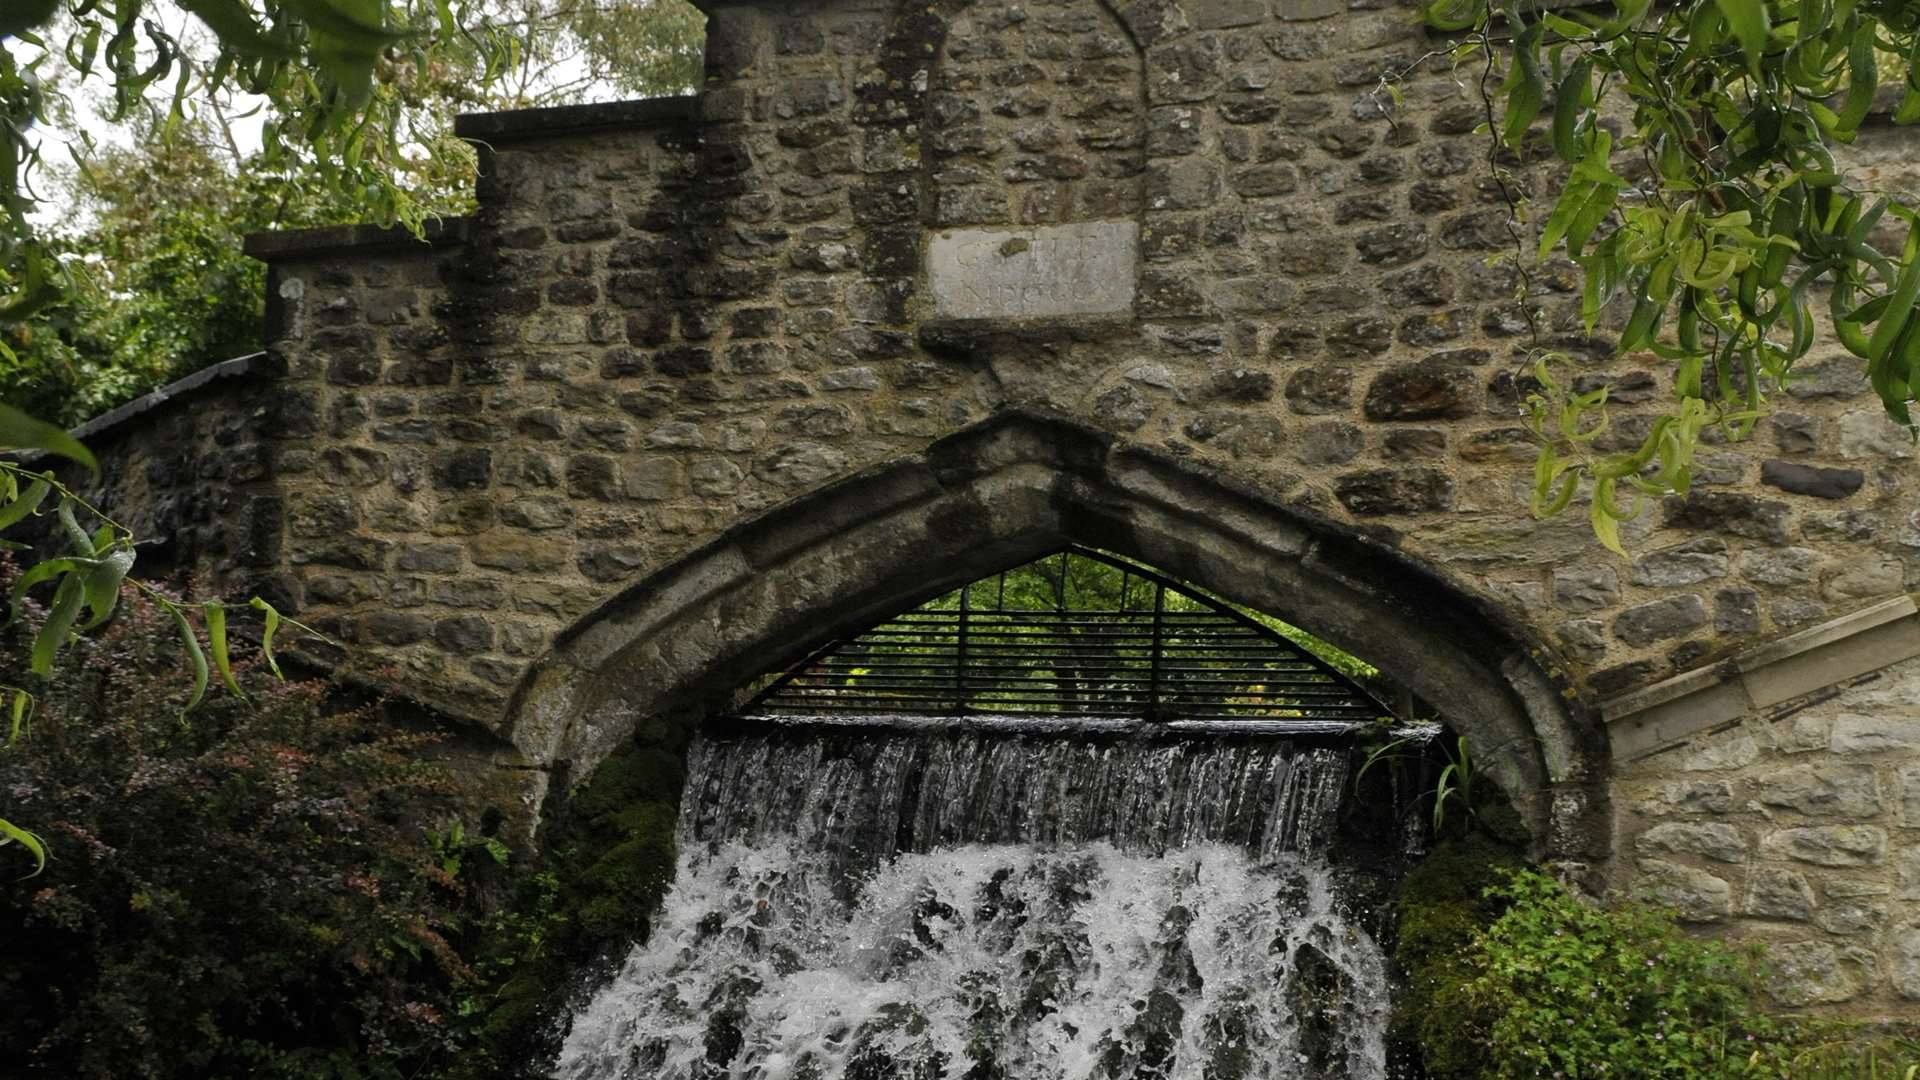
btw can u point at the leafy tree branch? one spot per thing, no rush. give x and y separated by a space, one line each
1739 226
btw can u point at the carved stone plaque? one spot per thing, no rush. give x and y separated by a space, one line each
1085 268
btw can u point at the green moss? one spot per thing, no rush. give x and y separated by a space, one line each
608 858
1441 906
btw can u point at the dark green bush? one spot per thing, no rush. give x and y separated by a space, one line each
1573 989
261 888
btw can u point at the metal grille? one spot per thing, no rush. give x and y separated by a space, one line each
1117 642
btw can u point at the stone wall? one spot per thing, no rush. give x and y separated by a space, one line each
1194 227
1799 828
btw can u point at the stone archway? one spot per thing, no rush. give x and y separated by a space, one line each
772 589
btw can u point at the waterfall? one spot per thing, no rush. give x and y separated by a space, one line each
985 907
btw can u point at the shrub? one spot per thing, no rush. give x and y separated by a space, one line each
1441 909
1576 990
244 891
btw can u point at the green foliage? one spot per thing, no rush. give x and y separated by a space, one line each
144 280
609 859
160 287
1716 258
1510 974
1440 909
1578 990
246 895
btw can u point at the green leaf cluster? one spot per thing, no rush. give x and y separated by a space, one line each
1717 260
1510 973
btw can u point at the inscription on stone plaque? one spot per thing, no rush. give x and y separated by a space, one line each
1085 268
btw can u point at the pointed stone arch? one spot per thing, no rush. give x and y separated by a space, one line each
690 635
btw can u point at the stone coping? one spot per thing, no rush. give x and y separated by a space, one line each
107 423
562 120
286 245
1653 718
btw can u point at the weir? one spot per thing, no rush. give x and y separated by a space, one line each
1003 905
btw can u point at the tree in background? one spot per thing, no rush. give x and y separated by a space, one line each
142 279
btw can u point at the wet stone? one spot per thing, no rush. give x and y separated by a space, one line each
1820 483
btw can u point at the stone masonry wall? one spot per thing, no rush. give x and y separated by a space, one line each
670 316
1800 829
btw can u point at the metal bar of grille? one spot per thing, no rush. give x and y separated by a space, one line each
1185 659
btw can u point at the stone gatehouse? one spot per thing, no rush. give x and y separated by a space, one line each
911 292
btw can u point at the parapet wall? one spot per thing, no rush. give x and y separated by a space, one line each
1194 227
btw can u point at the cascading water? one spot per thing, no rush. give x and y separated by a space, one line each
991 907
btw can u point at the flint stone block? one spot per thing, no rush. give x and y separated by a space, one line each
1855 733
1395 491
1811 479
1906 960
1809 973
1695 895
1727 512
1660 620
1426 390
1839 791
1779 894
1085 268
1828 845
1685 564
1586 588
1714 840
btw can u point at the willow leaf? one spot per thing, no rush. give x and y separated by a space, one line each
216 616
18 431
20 709
1748 18
67 602
272 618
29 501
194 654
103 585
14 834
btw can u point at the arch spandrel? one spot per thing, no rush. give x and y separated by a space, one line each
1004 492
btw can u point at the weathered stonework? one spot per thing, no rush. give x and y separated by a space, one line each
691 390
1799 828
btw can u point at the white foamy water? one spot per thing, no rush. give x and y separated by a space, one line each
855 912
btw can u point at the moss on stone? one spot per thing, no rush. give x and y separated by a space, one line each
1440 907
607 859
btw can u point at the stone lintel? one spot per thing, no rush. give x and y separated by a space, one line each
1813 659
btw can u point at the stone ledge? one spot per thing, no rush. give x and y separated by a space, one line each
519 125
1650 719
108 421
286 245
